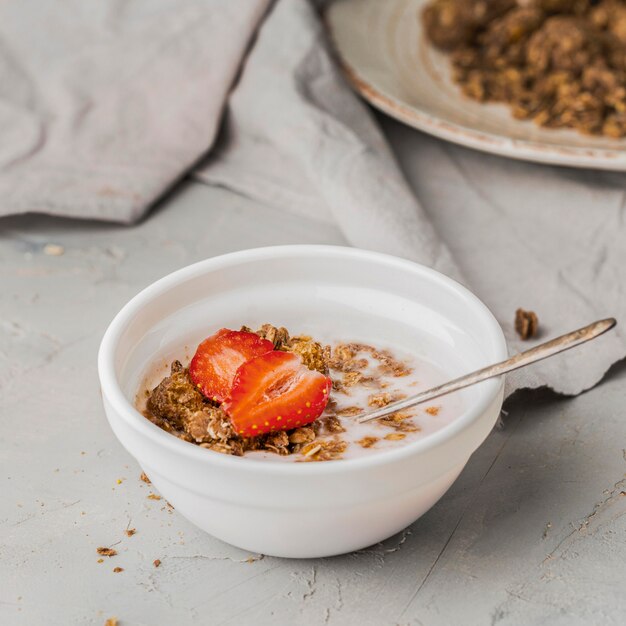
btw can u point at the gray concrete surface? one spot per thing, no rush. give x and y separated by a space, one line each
533 532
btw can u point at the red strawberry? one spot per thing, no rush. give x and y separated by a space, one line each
275 391
218 357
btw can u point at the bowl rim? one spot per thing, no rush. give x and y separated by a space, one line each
114 396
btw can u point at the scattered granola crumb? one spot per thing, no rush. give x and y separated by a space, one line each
112 621
350 379
119 481
432 410
526 323
332 424
313 450
117 570
389 365
324 450
130 531
145 479
153 496
278 336
302 435
100 560
379 399
395 436
53 249
156 562
337 385
342 358
106 551
367 442
400 421
383 399
350 411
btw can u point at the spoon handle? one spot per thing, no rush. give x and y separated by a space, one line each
542 351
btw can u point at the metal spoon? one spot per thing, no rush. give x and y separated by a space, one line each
542 351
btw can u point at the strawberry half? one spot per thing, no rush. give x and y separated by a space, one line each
218 357
275 391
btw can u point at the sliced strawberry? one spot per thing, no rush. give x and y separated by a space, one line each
275 391
218 357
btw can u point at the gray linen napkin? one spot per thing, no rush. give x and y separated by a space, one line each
545 238
103 107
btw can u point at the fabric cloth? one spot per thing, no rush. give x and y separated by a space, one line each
103 108
104 105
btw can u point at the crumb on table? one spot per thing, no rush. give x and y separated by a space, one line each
106 551
526 323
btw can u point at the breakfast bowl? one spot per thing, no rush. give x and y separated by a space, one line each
303 510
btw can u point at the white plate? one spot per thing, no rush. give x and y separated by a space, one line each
389 62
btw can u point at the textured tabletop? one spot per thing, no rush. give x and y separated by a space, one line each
532 532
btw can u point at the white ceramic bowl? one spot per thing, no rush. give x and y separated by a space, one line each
303 509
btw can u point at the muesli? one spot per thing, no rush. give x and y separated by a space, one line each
561 63
270 395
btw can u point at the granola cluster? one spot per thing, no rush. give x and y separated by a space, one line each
526 323
561 63
177 406
314 355
348 359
